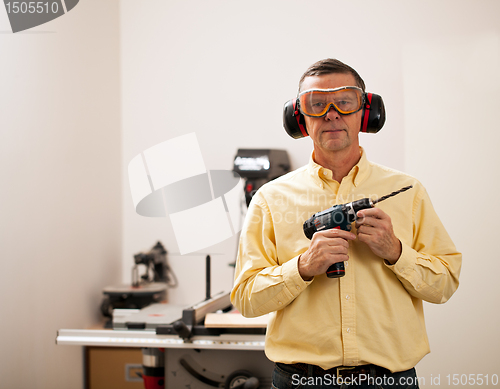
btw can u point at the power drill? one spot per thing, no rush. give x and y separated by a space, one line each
341 216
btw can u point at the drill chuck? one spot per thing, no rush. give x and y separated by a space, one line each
359 205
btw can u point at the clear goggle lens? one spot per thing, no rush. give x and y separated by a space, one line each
317 102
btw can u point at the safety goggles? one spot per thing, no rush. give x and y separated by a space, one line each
345 100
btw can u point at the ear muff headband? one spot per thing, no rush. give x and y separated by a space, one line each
372 120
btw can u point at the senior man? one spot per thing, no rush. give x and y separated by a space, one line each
365 329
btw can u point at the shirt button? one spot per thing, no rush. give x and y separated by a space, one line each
348 330
280 303
298 287
347 297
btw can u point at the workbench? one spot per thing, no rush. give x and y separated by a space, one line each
193 361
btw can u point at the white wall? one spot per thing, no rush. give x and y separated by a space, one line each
60 189
453 147
181 57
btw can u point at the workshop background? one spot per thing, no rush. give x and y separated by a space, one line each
84 94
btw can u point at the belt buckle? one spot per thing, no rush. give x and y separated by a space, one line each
341 368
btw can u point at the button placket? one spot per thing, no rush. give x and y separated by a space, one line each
348 316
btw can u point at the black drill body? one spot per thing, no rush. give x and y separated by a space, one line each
340 216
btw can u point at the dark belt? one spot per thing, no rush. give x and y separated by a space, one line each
339 371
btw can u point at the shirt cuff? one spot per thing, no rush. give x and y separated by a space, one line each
291 276
405 262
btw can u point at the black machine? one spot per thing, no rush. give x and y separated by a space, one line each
146 289
258 166
341 216
157 268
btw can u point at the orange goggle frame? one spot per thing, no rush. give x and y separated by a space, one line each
317 102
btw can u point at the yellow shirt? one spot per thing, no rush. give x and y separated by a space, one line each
371 315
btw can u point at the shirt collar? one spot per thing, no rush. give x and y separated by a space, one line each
357 174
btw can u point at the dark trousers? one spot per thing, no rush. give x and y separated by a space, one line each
367 377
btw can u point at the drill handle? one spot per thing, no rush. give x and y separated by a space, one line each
336 270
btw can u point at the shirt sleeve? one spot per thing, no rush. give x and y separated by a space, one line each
263 283
429 266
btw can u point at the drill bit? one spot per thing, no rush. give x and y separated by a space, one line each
392 194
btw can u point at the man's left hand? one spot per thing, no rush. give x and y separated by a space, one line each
375 229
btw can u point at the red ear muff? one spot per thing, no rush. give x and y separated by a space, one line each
293 120
373 114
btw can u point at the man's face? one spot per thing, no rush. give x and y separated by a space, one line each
332 132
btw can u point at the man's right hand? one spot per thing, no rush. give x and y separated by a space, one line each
326 248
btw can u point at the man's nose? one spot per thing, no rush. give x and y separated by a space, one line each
332 113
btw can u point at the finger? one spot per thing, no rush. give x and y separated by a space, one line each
328 245
372 212
370 222
337 254
363 218
336 259
372 217
365 221
365 229
337 233
337 250
338 242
